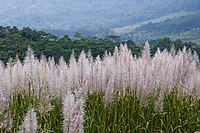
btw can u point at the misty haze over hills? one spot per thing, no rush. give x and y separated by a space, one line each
88 15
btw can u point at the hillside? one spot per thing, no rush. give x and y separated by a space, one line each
87 15
131 28
191 35
185 27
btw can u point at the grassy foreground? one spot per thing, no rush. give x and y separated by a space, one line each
124 114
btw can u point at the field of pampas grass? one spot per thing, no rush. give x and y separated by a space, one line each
116 93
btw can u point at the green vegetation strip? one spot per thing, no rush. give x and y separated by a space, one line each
122 114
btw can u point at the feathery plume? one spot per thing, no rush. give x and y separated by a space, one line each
30 124
73 114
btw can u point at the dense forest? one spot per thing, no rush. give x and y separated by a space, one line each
14 41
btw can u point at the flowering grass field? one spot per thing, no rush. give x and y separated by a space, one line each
119 93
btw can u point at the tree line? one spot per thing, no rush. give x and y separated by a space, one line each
14 41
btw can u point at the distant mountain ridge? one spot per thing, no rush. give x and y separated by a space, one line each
131 28
185 27
87 14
